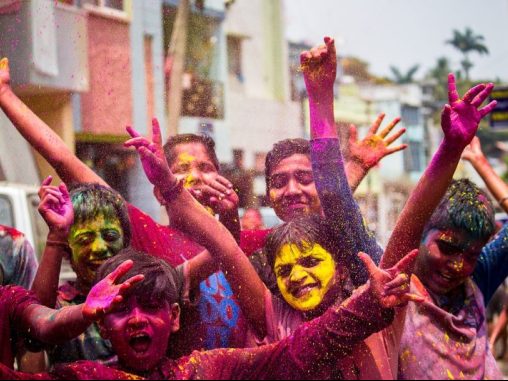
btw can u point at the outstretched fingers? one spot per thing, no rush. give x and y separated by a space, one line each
473 92
120 271
395 136
384 133
156 131
488 109
377 123
480 98
453 95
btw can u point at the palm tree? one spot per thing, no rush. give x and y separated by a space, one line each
404 78
466 43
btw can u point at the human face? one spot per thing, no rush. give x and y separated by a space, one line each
139 332
447 259
193 164
292 189
92 243
304 277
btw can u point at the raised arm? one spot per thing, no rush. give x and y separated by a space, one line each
346 222
41 137
56 327
204 228
56 209
460 120
499 189
367 153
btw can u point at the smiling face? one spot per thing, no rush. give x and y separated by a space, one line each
304 277
292 190
92 243
139 332
447 259
193 164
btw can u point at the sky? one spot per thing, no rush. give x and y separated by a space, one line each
403 33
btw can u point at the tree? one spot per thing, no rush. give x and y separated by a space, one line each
404 78
467 42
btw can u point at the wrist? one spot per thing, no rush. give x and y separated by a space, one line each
452 148
87 318
58 235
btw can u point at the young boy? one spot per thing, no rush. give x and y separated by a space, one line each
446 336
141 329
23 317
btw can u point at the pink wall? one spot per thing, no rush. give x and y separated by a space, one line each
107 107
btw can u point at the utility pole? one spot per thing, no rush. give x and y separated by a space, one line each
175 60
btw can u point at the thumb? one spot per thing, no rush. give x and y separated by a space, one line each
405 265
446 117
369 263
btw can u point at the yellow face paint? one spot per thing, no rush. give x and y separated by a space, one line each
185 160
4 64
304 277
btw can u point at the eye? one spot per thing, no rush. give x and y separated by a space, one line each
446 248
181 168
304 178
278 181
284 271
207 168
111 235
309 261
85 239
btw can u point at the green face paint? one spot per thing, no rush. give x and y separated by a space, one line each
92 243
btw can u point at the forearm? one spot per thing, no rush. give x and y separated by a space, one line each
45 284
322 120
45 141
421 204
494 182
232 223
54 326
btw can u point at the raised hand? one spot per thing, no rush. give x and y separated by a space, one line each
218 195
107 295
56 207
319 67
376 145
391 287
461 117
152 156
5 78
473 151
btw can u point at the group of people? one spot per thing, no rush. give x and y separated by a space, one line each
315 297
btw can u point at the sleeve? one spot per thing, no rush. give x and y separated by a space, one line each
492 266
27 264
314 347
340 208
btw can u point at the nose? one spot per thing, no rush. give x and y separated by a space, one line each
137 319
99 247
298 275
293 188
194 178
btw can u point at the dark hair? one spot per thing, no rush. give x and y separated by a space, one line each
302 231
465 207
93 200
161 280
176 140
282 150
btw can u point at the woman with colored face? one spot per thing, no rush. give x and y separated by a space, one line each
88 227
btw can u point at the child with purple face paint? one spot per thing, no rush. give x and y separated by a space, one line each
22 316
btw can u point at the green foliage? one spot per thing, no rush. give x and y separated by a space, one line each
467 42
404 78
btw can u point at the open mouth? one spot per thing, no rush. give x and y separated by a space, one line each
140 342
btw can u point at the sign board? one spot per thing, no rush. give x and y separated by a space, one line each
499 117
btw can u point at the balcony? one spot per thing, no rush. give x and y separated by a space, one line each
46 43
203 98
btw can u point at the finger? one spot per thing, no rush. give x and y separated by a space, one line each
208 191
394 137
453 95
369 263
305 57
65 191
132 132
330 45
400 280
375 126
353 134
446 115
50 200
405 265
47 181
4 64
131 282
220 187
137 142
472 93
480 98
120 271
156 130
57 194
396 149
224 181
488 109
389 128
43 190
413 298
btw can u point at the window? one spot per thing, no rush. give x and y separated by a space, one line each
235 57
6 213
413 157
410 116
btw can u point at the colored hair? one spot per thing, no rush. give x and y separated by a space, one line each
206 141
93 200
160 283
302 232
464 207
282 150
